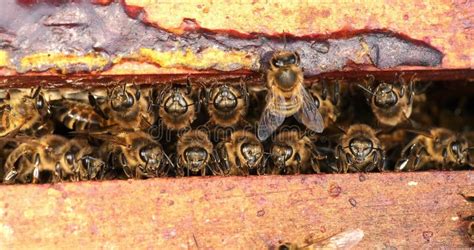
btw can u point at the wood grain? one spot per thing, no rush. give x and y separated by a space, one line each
409 210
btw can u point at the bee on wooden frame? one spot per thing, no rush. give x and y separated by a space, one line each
25 113
240 154
79 113
440 149
135 153
194 152
327 100
128 108
293 152
226 104
287 96
38 161
359 150
78 158
391 103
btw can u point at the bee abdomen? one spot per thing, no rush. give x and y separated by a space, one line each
77 116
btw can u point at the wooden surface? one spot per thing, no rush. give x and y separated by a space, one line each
444 25
447 25
410 210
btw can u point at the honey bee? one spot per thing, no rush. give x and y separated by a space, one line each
194 151
287 96
391 103
292 152
177 107
241 153
343 240
135 153
77 115
327 103
226 105
38 161
441 148
359 150
128 109
25 113
78 159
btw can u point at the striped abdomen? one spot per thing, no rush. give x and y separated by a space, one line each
76 115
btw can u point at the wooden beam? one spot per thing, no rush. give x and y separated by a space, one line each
408 210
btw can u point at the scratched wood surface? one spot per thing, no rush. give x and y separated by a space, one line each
410 210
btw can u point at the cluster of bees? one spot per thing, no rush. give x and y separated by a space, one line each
227 128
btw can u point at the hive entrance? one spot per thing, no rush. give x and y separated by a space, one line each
210 126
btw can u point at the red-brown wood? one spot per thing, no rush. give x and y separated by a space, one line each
408 210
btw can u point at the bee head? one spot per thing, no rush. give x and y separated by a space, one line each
175 104
282 64
280 154
121 99
285 58
151 155
385 96
361 148
224 98
195 158
252 153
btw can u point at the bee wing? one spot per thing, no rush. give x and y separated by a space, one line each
309 114
345 240
269 122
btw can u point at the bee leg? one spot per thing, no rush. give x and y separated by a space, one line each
378 161
36 170
341 161
10 177
316 157
58 173
128 172
298 167
214 165
445 166
36 175
418 157
315 166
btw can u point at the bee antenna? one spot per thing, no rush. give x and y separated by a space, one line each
36 92
284 39
467 149
169 160
266 42
343 130
365 89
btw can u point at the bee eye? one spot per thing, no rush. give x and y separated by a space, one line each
317 102
455 147
277 62
40 102
291 59
122 101
70 158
